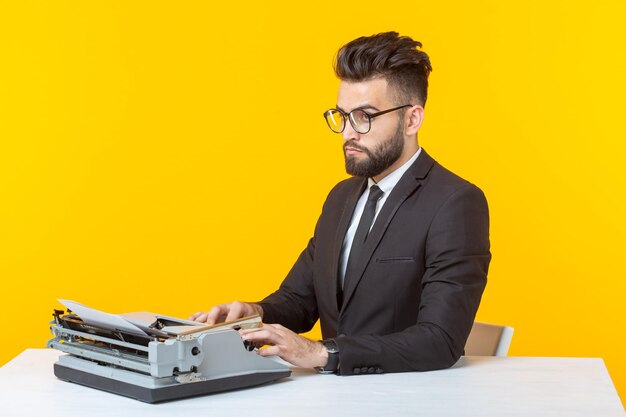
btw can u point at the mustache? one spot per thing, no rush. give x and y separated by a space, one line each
353 144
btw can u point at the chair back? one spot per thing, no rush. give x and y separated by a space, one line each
488 340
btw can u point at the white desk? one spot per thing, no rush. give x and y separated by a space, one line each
476 386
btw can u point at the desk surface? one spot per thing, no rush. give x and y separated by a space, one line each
475 386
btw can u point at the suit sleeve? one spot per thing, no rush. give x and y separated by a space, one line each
456 259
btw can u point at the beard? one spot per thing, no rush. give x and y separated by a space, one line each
378 159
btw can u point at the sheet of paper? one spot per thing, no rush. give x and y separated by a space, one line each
143 320
102 319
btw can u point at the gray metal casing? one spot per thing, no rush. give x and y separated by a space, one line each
175 368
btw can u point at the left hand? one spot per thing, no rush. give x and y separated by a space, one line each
293 348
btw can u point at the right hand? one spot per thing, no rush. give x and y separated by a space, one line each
227 312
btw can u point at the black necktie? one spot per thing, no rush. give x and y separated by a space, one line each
360 236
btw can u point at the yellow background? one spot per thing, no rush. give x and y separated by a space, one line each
168 156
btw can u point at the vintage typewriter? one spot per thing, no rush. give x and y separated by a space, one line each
156 358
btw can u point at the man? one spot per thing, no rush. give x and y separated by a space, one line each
399 258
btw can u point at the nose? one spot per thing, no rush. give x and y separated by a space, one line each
349 133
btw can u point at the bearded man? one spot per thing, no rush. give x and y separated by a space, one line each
398 262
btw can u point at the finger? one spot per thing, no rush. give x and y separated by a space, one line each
201 317
270 329
269 351
252 330
193 316
234 313
216 314
263 337
280 331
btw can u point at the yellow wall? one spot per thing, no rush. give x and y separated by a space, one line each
168 156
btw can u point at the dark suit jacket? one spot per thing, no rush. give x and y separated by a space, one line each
422 274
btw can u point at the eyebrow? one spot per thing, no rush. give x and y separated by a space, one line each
363 107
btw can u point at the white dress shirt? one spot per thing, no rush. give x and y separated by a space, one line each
386 185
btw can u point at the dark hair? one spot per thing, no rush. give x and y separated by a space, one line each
390 56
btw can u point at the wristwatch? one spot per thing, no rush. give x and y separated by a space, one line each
333 357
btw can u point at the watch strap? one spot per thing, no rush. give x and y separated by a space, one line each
332 366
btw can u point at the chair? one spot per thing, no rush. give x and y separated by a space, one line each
488 340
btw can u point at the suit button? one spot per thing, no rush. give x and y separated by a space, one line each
364 370
371 370
379 370
356 371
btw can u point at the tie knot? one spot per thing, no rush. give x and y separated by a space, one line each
375 193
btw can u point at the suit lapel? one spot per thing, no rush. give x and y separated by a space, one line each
342 229
408 184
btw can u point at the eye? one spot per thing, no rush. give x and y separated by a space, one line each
360 117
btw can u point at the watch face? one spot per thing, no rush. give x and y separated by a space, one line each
331 346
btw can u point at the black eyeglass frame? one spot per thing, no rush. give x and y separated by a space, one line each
369 117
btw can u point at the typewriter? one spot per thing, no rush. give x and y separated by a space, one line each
155 358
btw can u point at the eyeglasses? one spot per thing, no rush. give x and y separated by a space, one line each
360 120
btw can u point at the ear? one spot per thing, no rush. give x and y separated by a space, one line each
414 117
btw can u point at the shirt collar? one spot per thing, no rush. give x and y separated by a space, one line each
390 181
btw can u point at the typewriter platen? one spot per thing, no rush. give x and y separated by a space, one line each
156 358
